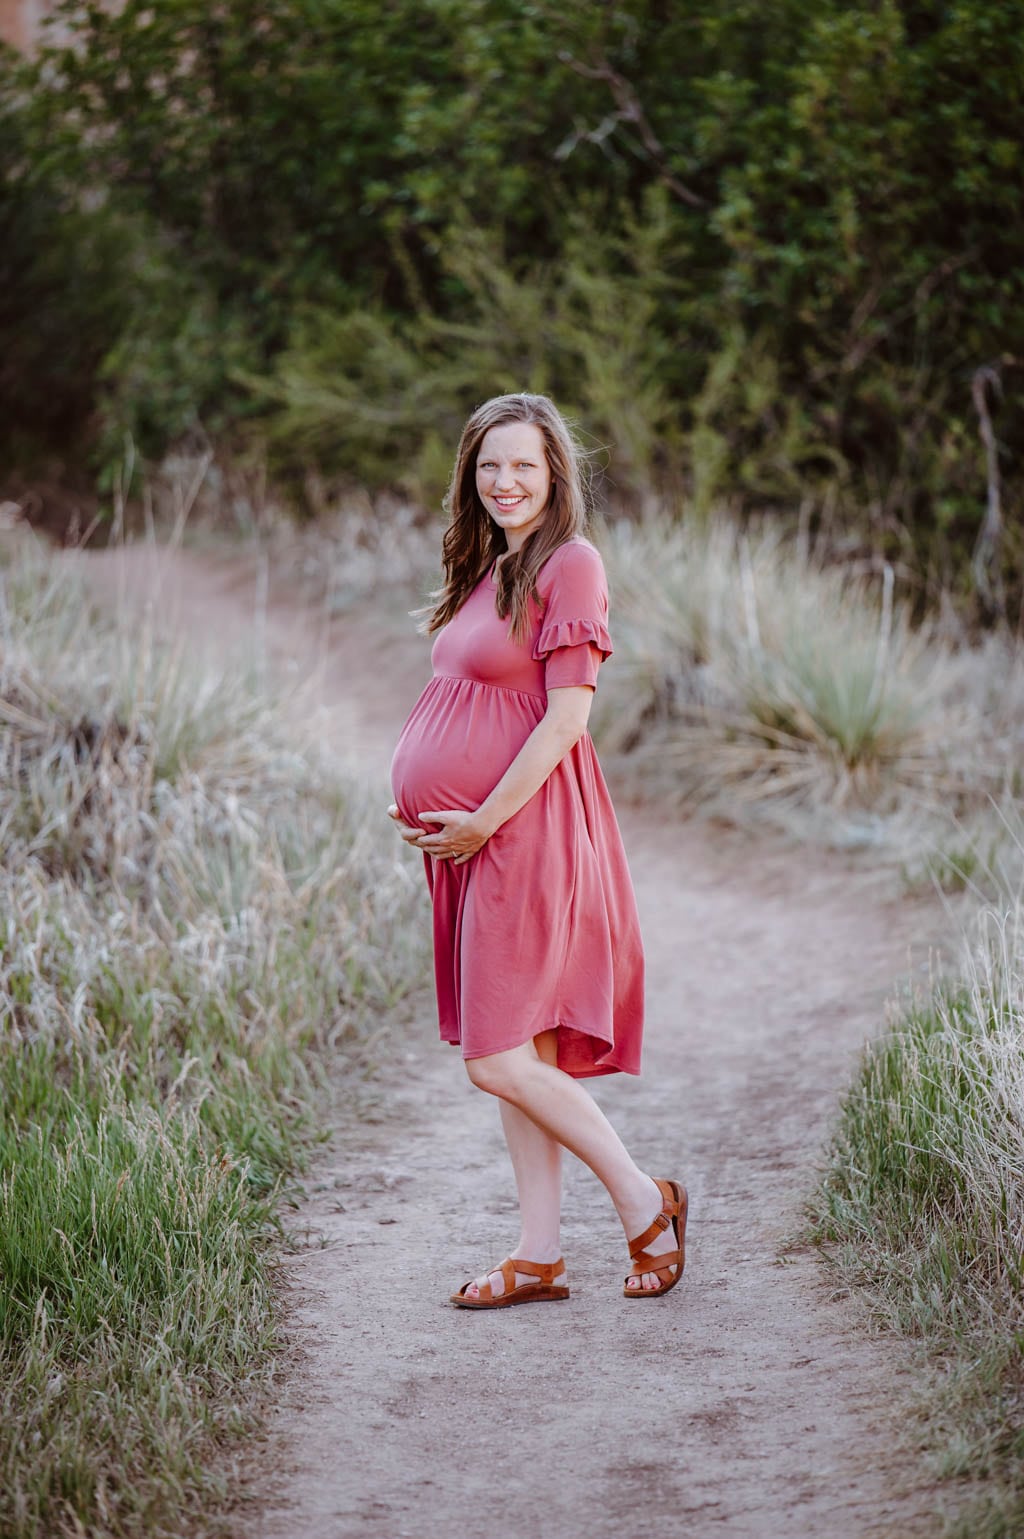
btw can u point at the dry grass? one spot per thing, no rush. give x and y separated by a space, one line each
196 919
357 548
347 546
755 681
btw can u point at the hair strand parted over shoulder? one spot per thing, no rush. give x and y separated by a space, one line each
473 542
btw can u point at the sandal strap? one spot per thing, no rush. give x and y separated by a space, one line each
642 1262
508 1277
546 1271
660 1224
672 1198
664 1274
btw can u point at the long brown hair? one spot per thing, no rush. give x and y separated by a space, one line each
473 542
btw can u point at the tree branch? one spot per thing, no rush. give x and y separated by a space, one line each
629 110
985 563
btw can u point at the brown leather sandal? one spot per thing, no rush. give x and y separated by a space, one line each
525 1293
673 1211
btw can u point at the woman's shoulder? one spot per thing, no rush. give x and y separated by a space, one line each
575 557
572 580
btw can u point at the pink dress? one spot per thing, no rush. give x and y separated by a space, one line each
539 929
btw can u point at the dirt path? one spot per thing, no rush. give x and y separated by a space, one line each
750 1402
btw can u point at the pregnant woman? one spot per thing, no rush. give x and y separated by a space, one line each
537 953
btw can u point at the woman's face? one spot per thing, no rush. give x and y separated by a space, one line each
513 479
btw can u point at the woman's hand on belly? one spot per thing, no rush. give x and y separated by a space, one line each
461 836
410 833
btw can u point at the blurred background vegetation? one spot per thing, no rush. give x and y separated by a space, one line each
771 255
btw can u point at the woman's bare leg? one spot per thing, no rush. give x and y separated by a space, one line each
560 1107
537 1164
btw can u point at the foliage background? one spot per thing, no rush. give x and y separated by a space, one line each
762 250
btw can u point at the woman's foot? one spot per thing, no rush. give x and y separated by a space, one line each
516 1281
639 1218
497 1281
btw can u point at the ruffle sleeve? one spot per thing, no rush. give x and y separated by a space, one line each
573 640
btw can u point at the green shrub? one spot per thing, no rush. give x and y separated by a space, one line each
383 401
62 297
776 253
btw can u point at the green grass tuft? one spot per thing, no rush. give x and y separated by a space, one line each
922 1205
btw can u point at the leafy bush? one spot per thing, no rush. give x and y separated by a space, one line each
59 297
384 401
170 373
838 221
106 335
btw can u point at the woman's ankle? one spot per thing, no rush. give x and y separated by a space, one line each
538 1248
638 1205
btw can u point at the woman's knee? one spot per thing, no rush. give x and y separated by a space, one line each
499 1073
484 1075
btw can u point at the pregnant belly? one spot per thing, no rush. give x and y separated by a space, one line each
457 744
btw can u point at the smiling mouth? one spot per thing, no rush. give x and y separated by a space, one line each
509 502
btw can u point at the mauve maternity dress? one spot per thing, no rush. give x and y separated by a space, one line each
539 929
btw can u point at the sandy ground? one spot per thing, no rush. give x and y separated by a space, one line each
750 1401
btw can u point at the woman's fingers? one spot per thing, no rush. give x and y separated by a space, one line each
461 836
429 842
410 834
445 843
415 835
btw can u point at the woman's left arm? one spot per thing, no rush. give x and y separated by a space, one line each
558 731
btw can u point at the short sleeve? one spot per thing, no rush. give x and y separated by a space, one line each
573 640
